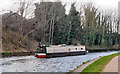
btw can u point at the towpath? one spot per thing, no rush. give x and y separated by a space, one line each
83 66
112 66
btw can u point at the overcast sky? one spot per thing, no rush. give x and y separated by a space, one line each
102 4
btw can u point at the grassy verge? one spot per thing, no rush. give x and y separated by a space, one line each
99 65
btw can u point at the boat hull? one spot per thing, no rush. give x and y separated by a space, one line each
62 54
40 55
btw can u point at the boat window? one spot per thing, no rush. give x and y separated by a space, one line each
75 48
81 48
69 49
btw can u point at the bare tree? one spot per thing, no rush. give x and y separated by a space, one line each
24 10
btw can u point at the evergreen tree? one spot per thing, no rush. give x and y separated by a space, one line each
73 25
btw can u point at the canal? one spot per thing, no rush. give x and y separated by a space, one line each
59 64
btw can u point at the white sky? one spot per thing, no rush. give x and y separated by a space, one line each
102 4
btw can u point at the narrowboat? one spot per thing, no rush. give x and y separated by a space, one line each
60 51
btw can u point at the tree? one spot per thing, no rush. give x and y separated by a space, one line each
90 24
74 24
15 24
47 14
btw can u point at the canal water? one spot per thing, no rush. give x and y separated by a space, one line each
59 64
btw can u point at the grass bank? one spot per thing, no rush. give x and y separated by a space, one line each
99 65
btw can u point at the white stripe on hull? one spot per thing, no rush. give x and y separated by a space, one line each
40 54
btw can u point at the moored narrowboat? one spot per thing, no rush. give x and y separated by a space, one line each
59 51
